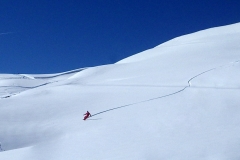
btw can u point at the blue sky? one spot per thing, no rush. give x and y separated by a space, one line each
50 36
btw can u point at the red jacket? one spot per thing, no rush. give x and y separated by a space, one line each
87 115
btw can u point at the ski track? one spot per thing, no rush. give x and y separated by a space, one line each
181 90
156 86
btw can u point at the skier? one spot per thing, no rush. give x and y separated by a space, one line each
86 115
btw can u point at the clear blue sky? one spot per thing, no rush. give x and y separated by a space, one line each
50 36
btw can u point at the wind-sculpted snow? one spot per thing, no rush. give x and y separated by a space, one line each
179 100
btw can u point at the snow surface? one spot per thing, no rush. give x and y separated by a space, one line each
179 100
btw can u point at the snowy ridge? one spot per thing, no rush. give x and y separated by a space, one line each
228 33
15 84
179 100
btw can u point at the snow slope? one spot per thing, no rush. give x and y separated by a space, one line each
179 100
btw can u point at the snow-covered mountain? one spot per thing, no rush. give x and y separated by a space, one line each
179 100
